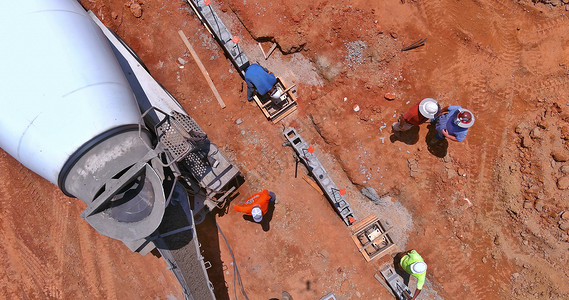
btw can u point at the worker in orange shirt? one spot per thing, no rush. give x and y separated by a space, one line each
256 206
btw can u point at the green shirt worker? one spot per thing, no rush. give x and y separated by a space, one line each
413 264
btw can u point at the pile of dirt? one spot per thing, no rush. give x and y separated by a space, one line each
538 203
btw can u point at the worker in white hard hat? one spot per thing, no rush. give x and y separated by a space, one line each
276 94
422 112
256 206
412 263
453 123
257 214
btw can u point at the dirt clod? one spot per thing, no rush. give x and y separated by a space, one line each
497 240
560 155
390 96
523 126
527 142
563 183
539 205
536 133
136 10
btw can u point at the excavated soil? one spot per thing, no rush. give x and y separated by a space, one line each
488 215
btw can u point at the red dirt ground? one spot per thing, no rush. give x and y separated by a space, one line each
507 61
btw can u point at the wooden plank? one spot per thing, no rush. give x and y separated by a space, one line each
288 89
260 46
202 68
381 253
375 239
363 223
287 109
288 112
366 256
267 104
273 47
262 107
356 241
312 183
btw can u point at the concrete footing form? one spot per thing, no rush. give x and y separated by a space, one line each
215 26
335 195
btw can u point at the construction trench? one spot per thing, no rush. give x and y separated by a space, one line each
349 196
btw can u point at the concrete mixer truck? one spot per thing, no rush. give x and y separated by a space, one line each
85 114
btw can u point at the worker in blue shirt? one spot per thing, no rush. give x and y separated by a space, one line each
260 80
452 123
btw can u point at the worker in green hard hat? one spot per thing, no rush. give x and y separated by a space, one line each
412 263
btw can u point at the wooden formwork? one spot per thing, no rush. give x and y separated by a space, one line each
371 237
274 112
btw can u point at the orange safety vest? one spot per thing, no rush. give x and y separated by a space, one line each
261 199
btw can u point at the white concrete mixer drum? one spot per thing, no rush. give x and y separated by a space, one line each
68 112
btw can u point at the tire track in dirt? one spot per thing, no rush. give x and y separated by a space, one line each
542 28
10 265
106 268
551 84
36 270
41 268
21 206
506 61
441 18
60 228
24 267
507 58
541 31
467 275
88 254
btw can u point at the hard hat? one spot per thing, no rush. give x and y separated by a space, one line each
464 118
257 214
418 267
276 95
429 107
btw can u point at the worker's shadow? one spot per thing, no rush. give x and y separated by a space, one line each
396 262
409 137
265 223
438 149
